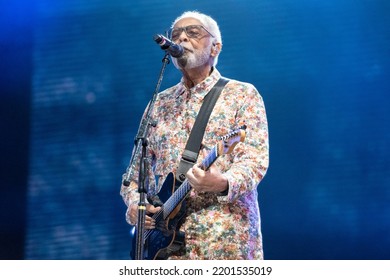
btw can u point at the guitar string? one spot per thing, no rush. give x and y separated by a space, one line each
181 192
185 187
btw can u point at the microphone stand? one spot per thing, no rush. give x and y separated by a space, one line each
141 142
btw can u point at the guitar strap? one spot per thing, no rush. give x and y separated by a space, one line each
191 151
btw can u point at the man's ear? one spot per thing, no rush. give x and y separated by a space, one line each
216 49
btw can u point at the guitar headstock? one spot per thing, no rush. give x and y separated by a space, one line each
229 141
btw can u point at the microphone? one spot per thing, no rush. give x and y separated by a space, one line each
167 45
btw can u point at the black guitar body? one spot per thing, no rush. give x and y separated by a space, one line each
166 237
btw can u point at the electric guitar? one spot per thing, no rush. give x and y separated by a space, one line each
166 238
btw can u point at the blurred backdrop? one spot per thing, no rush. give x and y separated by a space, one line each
77 75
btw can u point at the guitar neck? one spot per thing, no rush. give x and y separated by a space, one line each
185 187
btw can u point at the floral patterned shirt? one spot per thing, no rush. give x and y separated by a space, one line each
216 227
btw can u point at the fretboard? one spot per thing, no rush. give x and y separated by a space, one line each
185 187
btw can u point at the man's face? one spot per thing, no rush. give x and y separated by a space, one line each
197 45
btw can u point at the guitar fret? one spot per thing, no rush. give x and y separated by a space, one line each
185 188
175 199
226 144
210 158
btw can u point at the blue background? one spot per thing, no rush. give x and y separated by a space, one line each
76 76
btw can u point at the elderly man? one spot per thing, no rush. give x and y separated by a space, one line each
221 218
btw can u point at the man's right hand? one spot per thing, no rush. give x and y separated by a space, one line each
132 215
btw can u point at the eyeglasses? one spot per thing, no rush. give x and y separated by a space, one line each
192 31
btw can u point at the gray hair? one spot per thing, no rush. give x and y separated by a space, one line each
208 22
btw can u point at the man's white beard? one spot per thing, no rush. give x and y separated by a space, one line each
193 59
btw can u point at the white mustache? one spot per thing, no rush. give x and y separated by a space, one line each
187 48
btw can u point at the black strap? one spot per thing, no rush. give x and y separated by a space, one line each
191 151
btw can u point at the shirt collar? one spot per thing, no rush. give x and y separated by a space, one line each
200 90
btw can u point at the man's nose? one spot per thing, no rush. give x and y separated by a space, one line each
183 36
